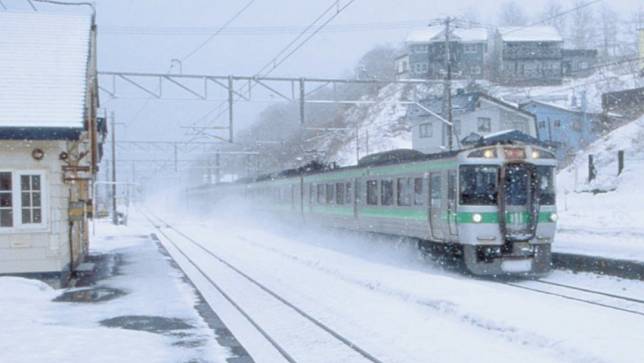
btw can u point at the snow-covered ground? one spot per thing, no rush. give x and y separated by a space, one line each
382 295
37 329
609 223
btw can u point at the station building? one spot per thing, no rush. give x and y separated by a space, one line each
50 141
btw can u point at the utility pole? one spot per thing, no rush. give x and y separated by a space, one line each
114 216
448 85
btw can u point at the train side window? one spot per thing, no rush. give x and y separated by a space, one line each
386 192
320 193
329 193
436 189
347 193
339 193
404 192
372 192
418 191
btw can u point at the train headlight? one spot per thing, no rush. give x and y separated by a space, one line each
536 154
488 154
477 218
553 217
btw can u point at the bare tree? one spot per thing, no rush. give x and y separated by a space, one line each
551 15
608 21
582 27
512 14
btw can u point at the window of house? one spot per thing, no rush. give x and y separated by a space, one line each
347 193
583 65
386 192
372 192
339 193
557 123
420 48
470 48
6 204
425 130
475 70
542 124
484 124
21 200
404 191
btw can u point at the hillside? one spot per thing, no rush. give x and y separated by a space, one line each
607 213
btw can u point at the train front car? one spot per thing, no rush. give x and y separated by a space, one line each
506 215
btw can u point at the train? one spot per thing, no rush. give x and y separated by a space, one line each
491 203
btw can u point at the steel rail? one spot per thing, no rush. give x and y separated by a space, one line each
316 322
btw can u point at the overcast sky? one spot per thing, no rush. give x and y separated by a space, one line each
137 35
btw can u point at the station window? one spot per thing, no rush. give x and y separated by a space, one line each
372 192
386 192
347 193
329 193
404 192
30 197
418 191
21 200
339 193
6 205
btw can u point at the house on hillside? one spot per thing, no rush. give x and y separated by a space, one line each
528 55
578 63
49 141
473 112
629 104
425 55
566 129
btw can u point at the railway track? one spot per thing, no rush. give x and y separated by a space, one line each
331 335
584 295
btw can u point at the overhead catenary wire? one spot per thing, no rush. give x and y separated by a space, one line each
218 31
280 58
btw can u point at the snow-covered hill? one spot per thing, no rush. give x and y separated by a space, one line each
387 128
605 216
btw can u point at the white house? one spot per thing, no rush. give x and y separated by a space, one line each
473 112
49 141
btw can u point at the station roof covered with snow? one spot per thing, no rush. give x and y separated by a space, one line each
43 69
437 33
530 34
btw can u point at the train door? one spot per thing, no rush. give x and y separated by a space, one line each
435 205
451 202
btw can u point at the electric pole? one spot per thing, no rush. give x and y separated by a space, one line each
114 216
448 85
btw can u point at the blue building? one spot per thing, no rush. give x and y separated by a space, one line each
567 130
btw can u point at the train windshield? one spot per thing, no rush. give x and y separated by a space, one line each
516 185
478 184
545 174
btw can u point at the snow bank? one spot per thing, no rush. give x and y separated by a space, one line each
605 216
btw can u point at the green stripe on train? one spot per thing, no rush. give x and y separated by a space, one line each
493 217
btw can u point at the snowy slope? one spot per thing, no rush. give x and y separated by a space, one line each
610 222
387 128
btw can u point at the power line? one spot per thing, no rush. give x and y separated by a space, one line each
276 61
219 30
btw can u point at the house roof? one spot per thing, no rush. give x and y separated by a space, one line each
530 34
43 69
554 106
466 102
437 34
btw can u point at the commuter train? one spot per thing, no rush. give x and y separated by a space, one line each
491 203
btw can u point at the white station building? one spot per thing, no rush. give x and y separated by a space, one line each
50 141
